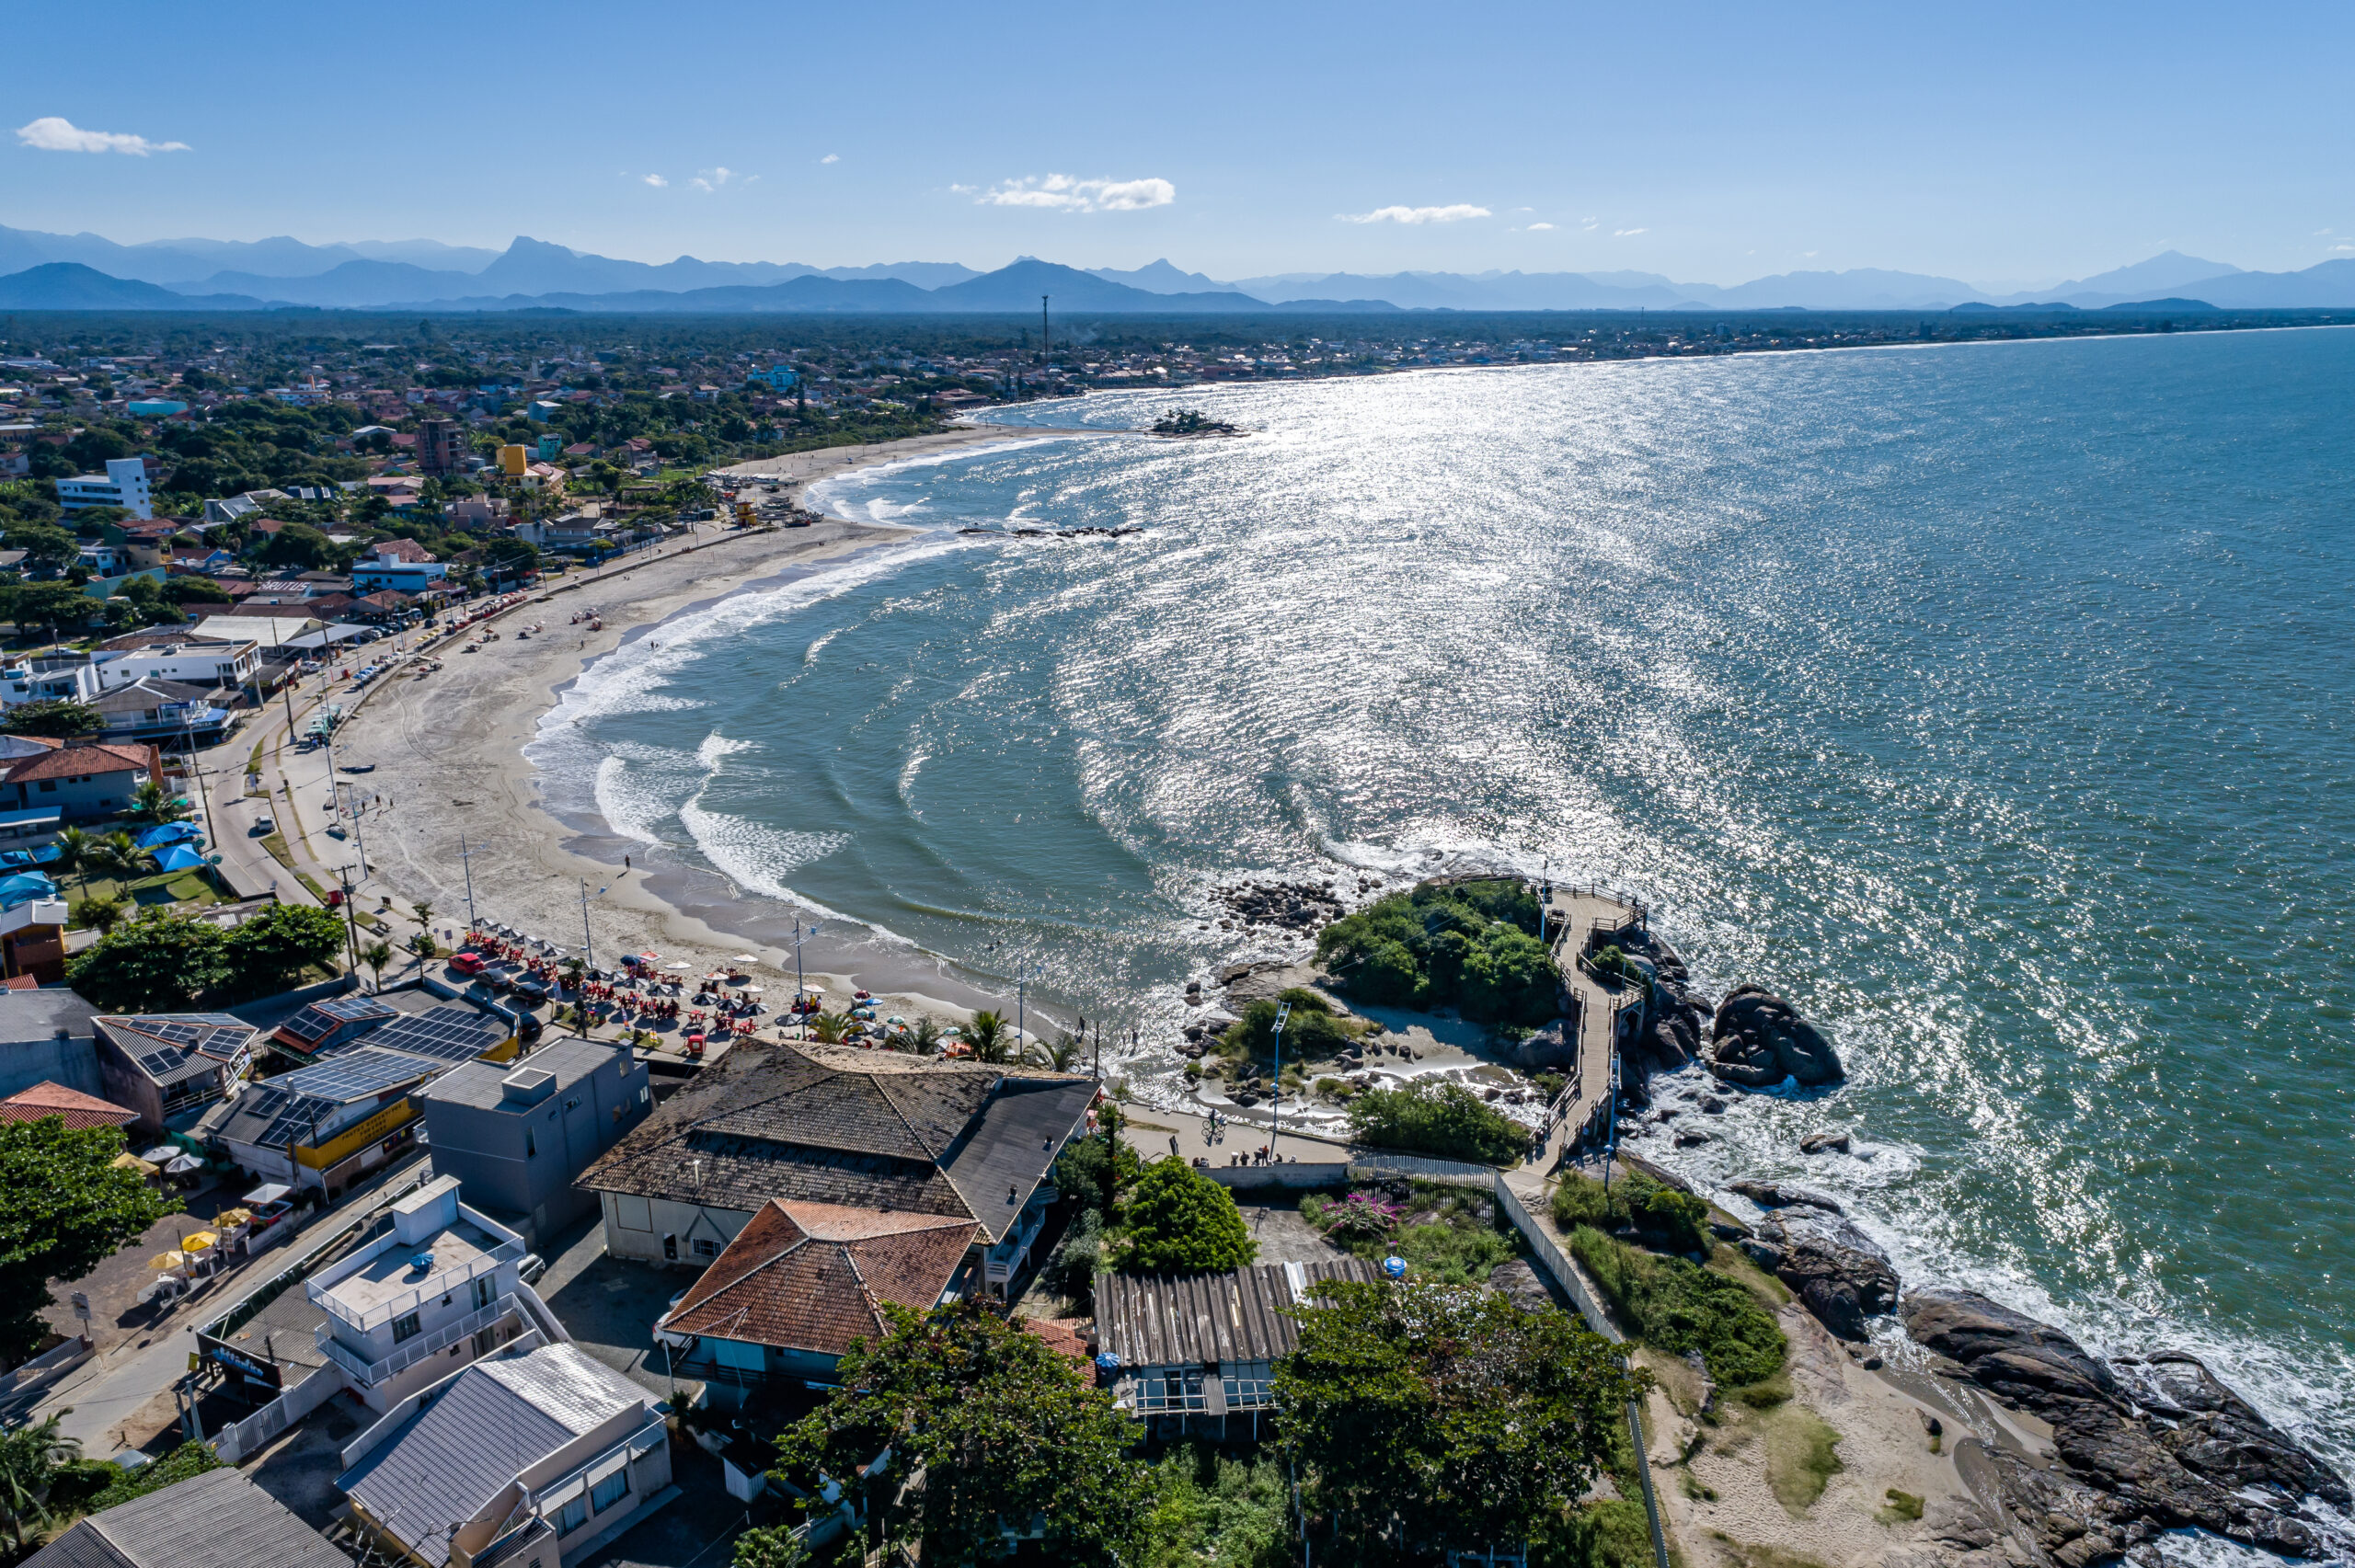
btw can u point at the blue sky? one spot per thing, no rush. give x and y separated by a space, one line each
2003 145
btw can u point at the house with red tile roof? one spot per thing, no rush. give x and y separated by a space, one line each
802 1281
80 1112
80 780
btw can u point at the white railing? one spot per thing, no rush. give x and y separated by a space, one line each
1005 1259
439 1283
368 1374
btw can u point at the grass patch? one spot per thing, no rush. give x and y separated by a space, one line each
1677 1307
1800 1456
1661 1216
1447 1234
1612 1533
1744 1554
1904 1507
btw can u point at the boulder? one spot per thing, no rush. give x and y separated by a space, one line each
1784 1194
1817 1142
1838 1273
2008 1352
1758 1040
1550 1049
2220 1434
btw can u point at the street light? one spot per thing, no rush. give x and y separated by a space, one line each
588 956
1024 971
800 995
1276 1083
467 859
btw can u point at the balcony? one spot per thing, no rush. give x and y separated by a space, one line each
1001 1262
408 1352
376 1311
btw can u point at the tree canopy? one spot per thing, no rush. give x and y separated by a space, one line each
1434 1416
1444 1119
63 1209
1179 1221
270 951
1471 946
55 717
1008 1432
161 961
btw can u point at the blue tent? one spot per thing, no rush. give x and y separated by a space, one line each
24 888
180 858
167 833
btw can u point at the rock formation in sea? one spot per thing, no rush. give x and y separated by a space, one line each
1758 1040
2147 1443
1837 1272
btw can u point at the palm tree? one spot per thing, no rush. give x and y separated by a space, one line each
989 1036
1063 1051
830 1028
31 1458
74 854
151 802
923 1034
376 954
424 913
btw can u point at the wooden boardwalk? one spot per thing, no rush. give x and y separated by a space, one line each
1571 913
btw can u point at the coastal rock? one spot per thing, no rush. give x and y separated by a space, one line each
1837 1272
1517 1282
1784 1194
2165 1445
1550 1048
1758 1040
1817 1142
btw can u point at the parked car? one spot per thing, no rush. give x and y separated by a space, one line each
468 963
264 826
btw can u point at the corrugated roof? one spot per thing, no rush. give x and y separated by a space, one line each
1199 1320
814 1275
497 1419
218 1519
478 1084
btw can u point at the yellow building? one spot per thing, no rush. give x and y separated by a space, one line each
514 461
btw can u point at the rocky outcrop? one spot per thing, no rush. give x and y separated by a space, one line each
2159 1442
1784 1194
1302 907
1553 1048
1820 1143
1758 1040
1837 1272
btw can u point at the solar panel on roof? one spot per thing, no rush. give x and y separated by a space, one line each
155 1063
447 1034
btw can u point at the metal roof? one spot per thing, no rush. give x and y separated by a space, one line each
478 1084
218 1519
445 1034
496 1420
1201 1320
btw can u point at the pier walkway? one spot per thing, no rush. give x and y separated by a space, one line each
1571 915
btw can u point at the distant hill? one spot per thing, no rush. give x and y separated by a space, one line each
2169 270
1017 287
1161 278
2148 306
69 285
185 262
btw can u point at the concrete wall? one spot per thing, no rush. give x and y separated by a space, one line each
69 1061
499 1166
635 1231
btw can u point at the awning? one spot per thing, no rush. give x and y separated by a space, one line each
269 1191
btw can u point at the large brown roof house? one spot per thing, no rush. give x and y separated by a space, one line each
886 1133
802 1281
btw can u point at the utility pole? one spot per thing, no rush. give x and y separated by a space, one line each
467 859
351 922
1276 1083
801 1014
588 957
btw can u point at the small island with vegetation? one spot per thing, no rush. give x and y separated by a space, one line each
1185 422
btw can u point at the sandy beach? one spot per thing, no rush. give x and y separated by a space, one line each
448 755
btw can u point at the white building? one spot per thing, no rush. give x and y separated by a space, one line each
440 1292
226 663
124 485
21 683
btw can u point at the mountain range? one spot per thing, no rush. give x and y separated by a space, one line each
46 271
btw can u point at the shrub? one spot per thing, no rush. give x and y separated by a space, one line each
1444 1119
1662 1216
1179 1221
1094 1171
1360 1217
1469 945
1310 1031
190 1458
1071 1272
1680 1307
1614 1533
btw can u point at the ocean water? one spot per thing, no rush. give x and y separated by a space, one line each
1995 703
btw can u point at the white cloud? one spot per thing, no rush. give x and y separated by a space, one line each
657 181
831 158
710 180
1541 228
51 135
1626 234
1062 192
1450 214
2343 246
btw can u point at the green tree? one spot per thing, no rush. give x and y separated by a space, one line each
101 914
63 1209
187 590
271 950
1444 1119
73 848
30 1460
1424 1417
118 854
44 545
1179 1221
1006 1429
376 954
424 946
1097 1171
772 1547
35 606
161 961
923 1034
830 1028
55 717
151 802
299 545
989 1036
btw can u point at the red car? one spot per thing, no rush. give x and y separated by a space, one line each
468 963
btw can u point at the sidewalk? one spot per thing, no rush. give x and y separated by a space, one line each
1152 1133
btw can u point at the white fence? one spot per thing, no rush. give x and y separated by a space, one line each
241 1440
44 1369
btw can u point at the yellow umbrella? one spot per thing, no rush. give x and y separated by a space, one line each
198 1241
228 1217
168 1260
132 1163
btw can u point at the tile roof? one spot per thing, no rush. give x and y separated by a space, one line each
219 1519
492 1422
80 1111
1197 1320
867 1131
72 761
814 1275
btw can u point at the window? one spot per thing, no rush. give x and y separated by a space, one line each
483 1286
610 1491
49 786
706 1247
405 1328
632 1212
573 1516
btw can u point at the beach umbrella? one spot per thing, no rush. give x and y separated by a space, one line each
132 1163
747 958
681 965
751 991
198 1241
182 1165
229 1217
168 1260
